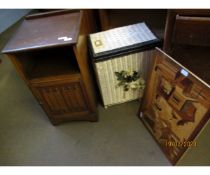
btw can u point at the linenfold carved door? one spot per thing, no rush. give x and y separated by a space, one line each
63 98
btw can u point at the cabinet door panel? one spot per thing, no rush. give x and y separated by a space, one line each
74 97
53 99
61 97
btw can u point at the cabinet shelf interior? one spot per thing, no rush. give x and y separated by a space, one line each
49 62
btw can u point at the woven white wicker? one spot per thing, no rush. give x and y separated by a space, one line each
105 72
118 38
121 37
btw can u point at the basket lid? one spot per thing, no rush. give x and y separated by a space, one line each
122 39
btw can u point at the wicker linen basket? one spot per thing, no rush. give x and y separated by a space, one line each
123 48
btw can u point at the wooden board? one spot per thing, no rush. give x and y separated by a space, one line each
175 107
192 30
46 30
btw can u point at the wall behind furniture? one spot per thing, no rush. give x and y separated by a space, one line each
10 16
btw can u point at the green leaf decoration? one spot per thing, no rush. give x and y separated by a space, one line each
130 80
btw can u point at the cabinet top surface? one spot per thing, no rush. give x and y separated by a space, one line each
46 30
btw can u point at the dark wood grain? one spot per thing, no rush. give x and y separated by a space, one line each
43 32
171 21
63 99
192 31
81 52
50 13
187 39
57 73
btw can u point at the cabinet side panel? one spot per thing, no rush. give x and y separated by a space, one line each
18 67
81 53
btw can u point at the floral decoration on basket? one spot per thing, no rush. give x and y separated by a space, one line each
130 80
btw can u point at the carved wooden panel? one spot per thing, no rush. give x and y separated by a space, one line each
61 97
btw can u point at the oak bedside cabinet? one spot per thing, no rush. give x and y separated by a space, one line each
49 51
